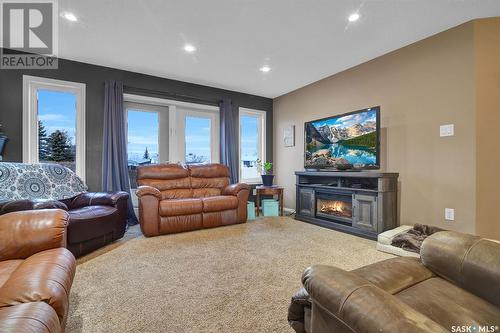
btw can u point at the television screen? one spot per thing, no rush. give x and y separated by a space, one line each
348 139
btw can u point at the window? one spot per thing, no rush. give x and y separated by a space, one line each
54 123
252 143
200 145
147 136
195 139
172 131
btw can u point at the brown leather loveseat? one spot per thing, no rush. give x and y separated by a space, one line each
36 271
455 287
175 198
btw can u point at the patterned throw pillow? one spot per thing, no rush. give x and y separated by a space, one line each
38 181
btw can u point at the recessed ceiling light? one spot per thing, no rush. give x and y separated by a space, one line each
69 16
189 48
353 17
265 69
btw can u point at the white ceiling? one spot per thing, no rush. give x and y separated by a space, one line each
301 40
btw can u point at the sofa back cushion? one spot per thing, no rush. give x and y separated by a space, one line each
208 180
172 180
23 181
469 261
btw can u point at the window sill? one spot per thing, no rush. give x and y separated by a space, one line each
250 182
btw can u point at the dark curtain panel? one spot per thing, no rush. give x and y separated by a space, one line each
114 159
228 139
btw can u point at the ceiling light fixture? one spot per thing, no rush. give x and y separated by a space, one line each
189 48
265 69
354 17
69 16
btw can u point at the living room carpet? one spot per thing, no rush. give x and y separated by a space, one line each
231 279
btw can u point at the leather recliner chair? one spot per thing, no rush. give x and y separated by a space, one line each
96 218
454 287
36 271
175 198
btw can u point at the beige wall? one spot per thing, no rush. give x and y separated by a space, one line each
418 87
487 70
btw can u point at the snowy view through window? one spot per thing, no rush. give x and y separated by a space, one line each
198 149
249 146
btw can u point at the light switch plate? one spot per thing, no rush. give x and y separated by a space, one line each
449 214
447 130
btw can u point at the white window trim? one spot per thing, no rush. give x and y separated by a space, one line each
177 111
30 117
261 140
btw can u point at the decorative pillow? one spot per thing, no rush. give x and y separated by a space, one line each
38 181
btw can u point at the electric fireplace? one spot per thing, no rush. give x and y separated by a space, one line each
334 206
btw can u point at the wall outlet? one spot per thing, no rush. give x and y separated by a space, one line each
449 214
447 130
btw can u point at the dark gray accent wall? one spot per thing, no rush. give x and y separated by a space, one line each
11 105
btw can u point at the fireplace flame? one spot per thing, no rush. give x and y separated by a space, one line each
335 206
332 207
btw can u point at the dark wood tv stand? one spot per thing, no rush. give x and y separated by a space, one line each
362 203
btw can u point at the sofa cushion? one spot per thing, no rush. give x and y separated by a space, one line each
449 305
208 179
91 222
6 269
173 224
396 274
172 180
219 203
46 276
213 170
179 207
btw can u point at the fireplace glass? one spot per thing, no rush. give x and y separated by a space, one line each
334 206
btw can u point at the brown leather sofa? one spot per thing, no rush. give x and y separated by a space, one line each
36 271
95 218
455 287
175 198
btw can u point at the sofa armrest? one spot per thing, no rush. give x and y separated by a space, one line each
149 205
234 189
350 300
25 233
98 199
36 316
20 205
148 190
469 261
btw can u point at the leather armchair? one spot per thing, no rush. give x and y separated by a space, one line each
174 198
95 219
455 284
36 271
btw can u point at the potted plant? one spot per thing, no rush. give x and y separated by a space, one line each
3 141
265 172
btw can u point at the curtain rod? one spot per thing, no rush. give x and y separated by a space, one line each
168 95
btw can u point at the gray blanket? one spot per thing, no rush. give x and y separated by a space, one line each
413 238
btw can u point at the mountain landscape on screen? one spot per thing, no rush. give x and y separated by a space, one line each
349 139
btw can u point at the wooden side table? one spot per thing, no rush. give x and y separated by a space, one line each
269 190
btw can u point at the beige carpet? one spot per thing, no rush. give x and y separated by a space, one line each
231 279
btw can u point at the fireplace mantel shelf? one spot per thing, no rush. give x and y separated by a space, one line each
372 194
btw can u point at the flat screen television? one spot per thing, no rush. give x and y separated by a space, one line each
346 141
